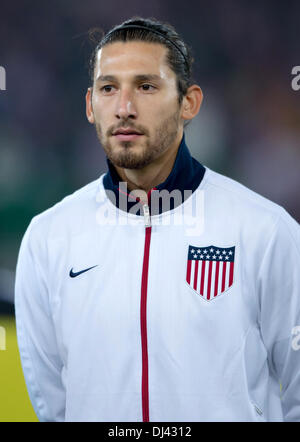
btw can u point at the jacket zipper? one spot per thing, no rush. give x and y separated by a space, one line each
143 312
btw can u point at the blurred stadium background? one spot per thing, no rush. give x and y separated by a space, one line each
248 127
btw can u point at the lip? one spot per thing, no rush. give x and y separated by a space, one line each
126 131
127 137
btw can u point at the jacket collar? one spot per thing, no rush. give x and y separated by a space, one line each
185 177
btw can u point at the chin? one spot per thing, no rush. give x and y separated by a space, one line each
131 143
129 161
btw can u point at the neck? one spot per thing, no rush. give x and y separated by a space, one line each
154 173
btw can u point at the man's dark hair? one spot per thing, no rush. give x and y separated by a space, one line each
179 57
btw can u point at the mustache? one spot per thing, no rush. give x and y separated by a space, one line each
127 125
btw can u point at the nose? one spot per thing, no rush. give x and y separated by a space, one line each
125 106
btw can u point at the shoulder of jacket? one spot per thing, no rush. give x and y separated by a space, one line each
70 207
244 196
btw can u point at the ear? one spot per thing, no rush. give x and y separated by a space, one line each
89 106
191 102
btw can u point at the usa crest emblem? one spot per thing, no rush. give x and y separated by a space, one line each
210 270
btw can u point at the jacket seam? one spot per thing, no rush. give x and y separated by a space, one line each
294 240
35 382
251 195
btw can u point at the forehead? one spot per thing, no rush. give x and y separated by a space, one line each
133 58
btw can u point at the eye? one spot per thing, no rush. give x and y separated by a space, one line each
106 89
147 87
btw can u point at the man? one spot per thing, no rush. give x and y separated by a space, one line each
132 305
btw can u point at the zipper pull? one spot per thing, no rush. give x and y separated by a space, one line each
146 215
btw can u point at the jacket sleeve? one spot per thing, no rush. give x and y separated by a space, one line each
37 343
279 293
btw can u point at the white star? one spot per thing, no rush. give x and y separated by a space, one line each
198 251
218 252
205 251
220 257
207 256
195 256
211 250
214 257
201 256
226 257
224 253
230 253
192 251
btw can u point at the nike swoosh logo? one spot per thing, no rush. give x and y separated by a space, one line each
74 274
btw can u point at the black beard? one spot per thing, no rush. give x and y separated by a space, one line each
164 137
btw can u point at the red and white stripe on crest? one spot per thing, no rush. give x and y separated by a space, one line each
209 278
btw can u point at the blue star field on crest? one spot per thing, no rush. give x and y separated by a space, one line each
211 253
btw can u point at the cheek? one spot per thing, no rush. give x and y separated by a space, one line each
157 109
102 113
161 113
105 110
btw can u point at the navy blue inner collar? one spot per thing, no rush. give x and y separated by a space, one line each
186 175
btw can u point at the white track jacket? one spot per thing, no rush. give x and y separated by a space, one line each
192 314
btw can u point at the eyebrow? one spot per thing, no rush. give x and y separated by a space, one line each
143 77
